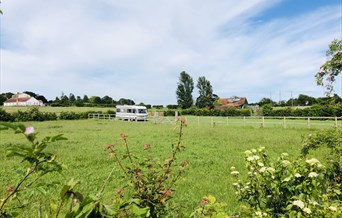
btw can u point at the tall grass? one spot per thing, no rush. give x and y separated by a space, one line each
211 151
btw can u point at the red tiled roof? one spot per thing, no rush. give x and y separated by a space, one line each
228 102
11 100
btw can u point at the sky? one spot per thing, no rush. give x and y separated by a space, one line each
137 49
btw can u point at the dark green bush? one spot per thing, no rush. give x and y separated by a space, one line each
4 116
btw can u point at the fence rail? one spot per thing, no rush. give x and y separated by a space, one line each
285 122
256 121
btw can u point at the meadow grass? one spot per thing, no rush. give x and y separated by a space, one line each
211 151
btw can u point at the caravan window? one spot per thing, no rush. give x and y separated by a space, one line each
142 111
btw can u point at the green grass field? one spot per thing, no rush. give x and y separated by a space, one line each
211 151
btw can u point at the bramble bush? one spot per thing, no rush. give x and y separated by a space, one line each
151 182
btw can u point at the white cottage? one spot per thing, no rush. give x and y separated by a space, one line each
22 99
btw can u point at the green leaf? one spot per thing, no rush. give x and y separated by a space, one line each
139 211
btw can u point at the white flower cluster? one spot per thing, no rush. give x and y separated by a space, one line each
254 157
313 175
314 162
301 205
260 214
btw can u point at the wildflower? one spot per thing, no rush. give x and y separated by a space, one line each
234 173
258 213
260 164
250 158
307 210
205 201
147 146
248 152
332 208
313 174
108 146
262 169
298 203
123 136
29 130
10 189
313 202
236 184
286 162
297 175
168 192
232 168
261 149
256 157
254 151
287 179
271 169
312 161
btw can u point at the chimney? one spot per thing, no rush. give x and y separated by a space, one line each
17 98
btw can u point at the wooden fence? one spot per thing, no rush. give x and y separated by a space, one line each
260 121
284 122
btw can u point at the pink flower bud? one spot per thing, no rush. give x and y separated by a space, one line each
29 130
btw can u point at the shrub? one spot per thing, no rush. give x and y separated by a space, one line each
151 182
287 187
4 116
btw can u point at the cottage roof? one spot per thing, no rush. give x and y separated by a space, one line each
11 100
233 102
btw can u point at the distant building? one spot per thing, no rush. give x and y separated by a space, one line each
22 99
232 102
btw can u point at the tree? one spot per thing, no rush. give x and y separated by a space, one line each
42 98
304 100
332 67
85 99
184 90
107 100
72 98
79 102
206 98
266 101
95 100
124 101
32 94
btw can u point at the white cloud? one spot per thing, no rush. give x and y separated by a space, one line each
136 49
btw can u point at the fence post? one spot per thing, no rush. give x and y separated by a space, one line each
336 122
263 122
309 122
244 121
284 122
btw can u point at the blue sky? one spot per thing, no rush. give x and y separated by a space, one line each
137 49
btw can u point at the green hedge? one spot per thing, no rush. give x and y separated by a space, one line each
194 111
33 114
314 111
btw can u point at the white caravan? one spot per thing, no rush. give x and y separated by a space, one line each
131 112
